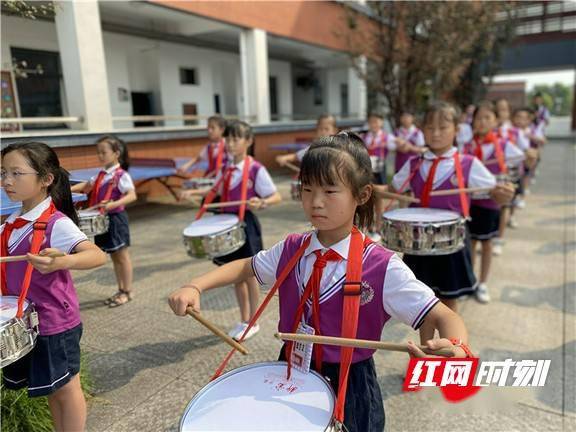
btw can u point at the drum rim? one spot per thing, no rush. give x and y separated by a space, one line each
238 224
456 219
252 366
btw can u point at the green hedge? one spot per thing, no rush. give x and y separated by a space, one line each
23 414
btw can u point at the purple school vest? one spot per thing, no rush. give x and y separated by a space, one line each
371 317
116 194
447 202
235 193
381 139
402 158
493 168
53 294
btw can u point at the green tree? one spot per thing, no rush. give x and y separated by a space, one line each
558 97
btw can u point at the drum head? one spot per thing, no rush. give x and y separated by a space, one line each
258 397
210 225
88 213
417 214
9 307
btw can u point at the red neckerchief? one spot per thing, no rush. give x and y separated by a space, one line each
214 164
98 184
243 194
490 138
378 142
35 245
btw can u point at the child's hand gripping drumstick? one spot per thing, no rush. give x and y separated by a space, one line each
291 166
51 253
360 343
226 204
196 315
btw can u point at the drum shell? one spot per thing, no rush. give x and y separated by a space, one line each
216 244
422 237
330 427
93 223
18 336
199 183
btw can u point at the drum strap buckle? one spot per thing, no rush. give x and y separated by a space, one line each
352 288
34 319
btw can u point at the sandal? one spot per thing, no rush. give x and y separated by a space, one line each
113 298
122 299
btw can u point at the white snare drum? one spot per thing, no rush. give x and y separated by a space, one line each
295 190
214 236
17 335
199 183
258 397
377 163
513 173
92 222
423 231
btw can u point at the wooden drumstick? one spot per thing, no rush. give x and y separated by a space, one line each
359 343
94 207
226 204
16 258
509 160
457 191
291 166
216 330
399 197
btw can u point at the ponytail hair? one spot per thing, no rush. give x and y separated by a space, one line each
117 145
44 161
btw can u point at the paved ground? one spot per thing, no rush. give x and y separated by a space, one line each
147 364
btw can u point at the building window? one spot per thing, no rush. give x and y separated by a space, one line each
552 25
38 81
344 112
190 110
188 76
529 27
569 24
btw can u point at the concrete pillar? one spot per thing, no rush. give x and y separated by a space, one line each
83 63
357 95
254 69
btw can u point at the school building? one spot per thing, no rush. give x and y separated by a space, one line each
153 71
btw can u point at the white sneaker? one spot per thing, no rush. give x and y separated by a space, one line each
512 223
237 329
482 294
520 204
496 249
255 329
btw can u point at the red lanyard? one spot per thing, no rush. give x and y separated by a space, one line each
460 178
98 184
243 194
37 240
212 167
490 138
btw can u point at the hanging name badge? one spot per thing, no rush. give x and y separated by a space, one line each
302 351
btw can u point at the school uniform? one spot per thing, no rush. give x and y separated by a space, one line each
216 155
379 144
55 358
415 137
485 212
464 134
118 234
260 185
542 117
507 131
389 290
300 153
450 276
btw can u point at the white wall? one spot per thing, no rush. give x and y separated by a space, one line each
336 77
283 73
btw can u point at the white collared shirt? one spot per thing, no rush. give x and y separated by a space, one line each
65 234
479 174
409 133
370 136
404 296
125 184
465 134
300 153
264 186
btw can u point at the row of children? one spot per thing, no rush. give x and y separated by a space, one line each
338 195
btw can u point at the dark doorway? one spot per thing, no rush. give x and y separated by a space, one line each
217 108
191 110
273 83
38 80
142 105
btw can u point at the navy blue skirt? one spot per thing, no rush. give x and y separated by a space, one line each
485 223
253 244
364 406
118 235
52 363
449 276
